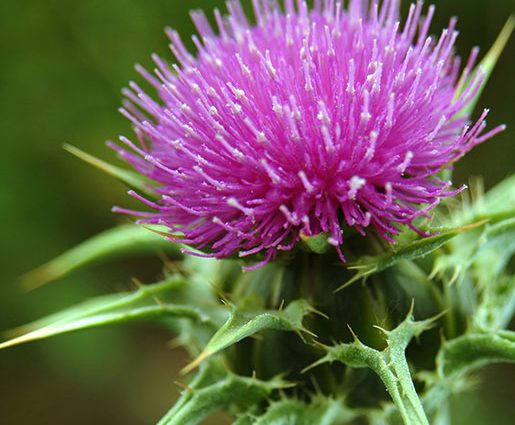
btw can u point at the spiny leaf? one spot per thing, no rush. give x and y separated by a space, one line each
496 248
438 392
242 324
209 373
390 365
145 303
496 205
500 229
198 401
413 250
497 304
475 350
122 240
320 411
488 63
130 178
488 250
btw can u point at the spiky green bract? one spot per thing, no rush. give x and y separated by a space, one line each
391 347
243 323
474 350
320 411
148 302
130 178
119 241
389 364
215 388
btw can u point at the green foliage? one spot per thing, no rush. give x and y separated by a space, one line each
390 365
410 251
146 303
497 304
130 178
47 200
214 389
243 323
320 411
119 241
488 63
474 350
379 377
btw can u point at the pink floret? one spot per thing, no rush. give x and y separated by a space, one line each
306 122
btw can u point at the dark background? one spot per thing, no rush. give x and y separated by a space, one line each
62 66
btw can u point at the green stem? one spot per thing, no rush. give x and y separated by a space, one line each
399 385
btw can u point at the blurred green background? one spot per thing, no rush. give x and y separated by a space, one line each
63 64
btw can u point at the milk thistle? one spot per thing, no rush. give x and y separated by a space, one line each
314 148
308 122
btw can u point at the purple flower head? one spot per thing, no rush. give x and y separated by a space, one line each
304 123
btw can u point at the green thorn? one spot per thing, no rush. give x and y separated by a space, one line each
128 177
488 63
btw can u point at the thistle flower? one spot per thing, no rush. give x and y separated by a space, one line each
307 122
